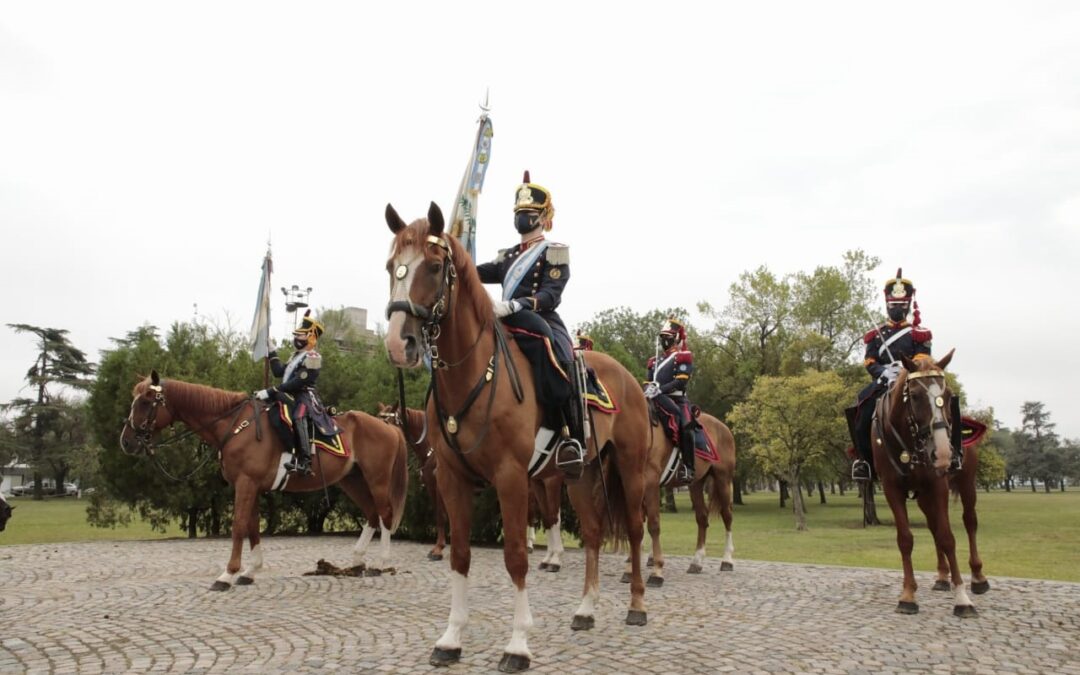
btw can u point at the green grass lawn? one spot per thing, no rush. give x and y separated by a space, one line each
1021 534
64 519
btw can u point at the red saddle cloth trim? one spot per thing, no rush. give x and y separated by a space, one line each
709 454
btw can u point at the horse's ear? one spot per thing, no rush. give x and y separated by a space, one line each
945 359
155 379
435 220
394 220
908 363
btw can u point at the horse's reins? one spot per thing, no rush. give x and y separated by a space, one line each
144 433
919 436
431 331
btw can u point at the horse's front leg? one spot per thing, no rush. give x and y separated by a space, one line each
244 506
896 498
514 505
935 505
458 499
255 559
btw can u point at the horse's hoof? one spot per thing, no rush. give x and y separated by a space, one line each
513 663
636 617
727 567
444 657
649 562
654 581
941 585
434 556
964 611
625 578
582 622
980 587
543 566
220 586
694 569
553 568
372 572
904 607
244 581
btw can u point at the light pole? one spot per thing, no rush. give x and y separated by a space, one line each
296 298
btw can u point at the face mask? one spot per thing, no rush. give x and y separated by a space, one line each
525 221
667 341
299 342
897 313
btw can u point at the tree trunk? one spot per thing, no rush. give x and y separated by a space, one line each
783 493
737 489
809 489
60 477
840 486
870 517
832 489
271 516
215 517
797 504
192 530
669 501
39 490
1033 486
1046 484
1008 483
821 492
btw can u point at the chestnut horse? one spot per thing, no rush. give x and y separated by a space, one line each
5 512
542 494
911 441
716 475
483 420
374 474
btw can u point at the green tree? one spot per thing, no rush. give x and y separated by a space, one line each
793 422
59 365
1038 454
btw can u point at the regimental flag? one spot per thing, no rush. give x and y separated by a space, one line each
260 325
463 221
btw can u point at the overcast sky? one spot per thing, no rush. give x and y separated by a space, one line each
148 151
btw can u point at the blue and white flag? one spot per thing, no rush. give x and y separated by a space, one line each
260 325
463 221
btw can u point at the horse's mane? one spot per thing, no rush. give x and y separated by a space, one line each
415 417
468 279
191 396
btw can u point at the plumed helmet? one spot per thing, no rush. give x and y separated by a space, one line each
530 196
899 290
584 342
309 326
674 328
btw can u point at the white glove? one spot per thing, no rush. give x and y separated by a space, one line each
263 394
506 308
652 390
891 372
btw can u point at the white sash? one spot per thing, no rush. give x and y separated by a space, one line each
294 362
520 268
884 350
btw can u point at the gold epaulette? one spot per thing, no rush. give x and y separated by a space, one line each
558 254
502 255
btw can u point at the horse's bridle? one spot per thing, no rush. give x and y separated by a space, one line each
144 433
430 316
920 435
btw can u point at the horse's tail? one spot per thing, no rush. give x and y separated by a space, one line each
399 482
720 494
612 511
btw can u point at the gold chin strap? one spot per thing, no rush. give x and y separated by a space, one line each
926 373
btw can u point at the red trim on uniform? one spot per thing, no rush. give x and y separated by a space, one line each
921 335
684 357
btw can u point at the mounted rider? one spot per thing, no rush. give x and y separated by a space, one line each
885 344
297 389
584 342
533 274
666 386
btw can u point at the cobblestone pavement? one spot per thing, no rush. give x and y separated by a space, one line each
144 606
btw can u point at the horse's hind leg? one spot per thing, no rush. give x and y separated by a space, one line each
356 488
551 513
244 506
701 515
979 583
721 491
255 558
652 515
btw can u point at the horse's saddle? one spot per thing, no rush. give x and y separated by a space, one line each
704 447
282 421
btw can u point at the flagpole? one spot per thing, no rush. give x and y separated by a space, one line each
269 284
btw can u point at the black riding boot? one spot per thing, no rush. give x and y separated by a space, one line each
686 447
956 462
862 469
302 459
570 455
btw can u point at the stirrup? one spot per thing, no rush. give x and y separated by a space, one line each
570 459
956 462
298 465
684 474
860 470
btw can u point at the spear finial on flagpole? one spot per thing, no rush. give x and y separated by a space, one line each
485 107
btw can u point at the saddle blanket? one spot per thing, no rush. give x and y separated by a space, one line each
283 425
704 447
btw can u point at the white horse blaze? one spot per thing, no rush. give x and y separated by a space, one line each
942 446
459 611
399 292
523 622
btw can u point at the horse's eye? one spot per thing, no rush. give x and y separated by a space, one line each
435 267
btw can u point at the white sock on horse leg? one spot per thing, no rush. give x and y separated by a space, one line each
523 622
729 549
384 544
362 543
699 556
555 545
255 562
588 601
459 612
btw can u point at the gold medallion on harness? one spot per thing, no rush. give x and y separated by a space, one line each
451 424
939 402
401 271
905 457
